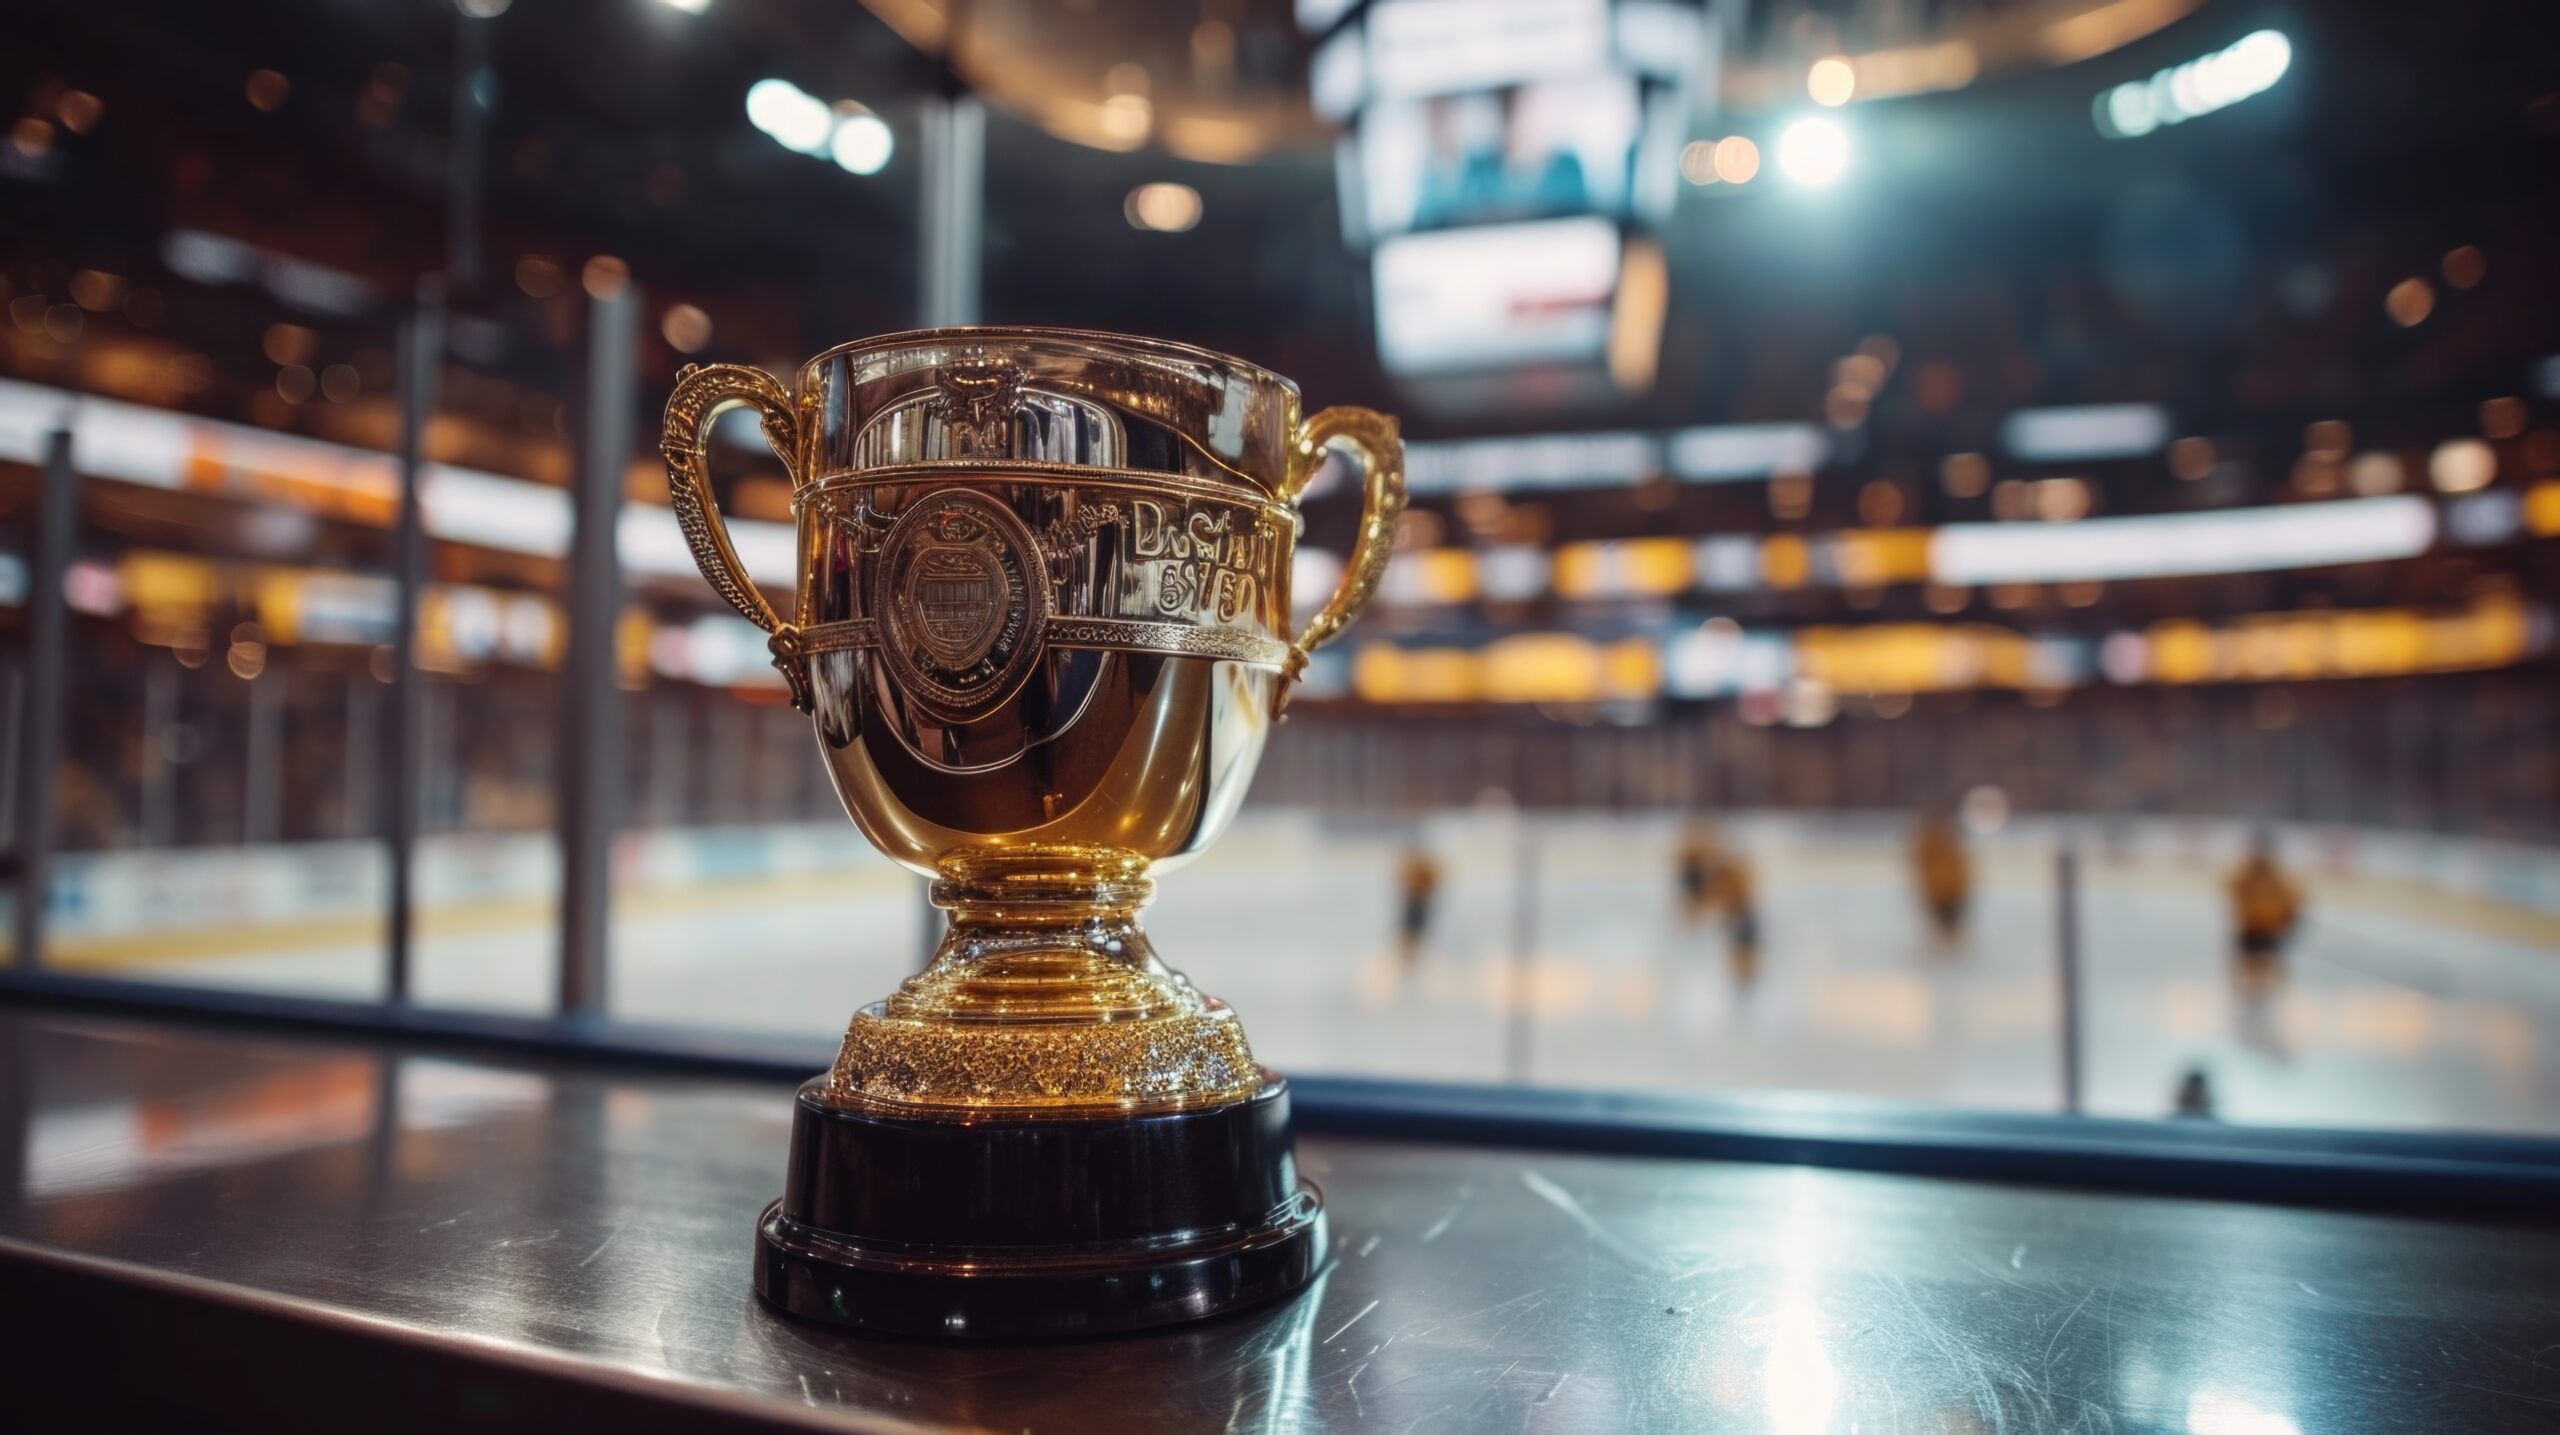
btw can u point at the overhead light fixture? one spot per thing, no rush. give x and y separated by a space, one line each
2085 431
1813 151
690 7
861 143
2463 465
2178 545
2249 66
1737 159
1718 452
792 117
1832 81
850 134
685 328
1124 120
1574 460
1165 207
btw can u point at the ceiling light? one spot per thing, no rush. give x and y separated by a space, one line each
2462 465
862 143
795 119
1831 81
1813 152
1164 207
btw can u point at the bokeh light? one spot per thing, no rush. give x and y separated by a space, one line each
1831 81
1813 151
268 90
539 275
686 328
2410 302
604 277
2462 465
1163 206
1737 159
862 143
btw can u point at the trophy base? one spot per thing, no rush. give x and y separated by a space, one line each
1034 1228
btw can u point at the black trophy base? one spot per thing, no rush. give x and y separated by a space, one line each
1026 1230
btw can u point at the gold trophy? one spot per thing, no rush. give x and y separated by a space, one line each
1042 630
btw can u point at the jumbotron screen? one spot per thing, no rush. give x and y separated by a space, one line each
1497 154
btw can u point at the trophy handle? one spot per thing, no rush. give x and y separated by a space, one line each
1382 499
703 392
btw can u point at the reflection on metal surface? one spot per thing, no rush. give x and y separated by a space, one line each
596 1220
114 1144
2214 1412
1800 1386
231 1119
1042 625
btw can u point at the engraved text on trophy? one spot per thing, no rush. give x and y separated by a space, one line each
1200 560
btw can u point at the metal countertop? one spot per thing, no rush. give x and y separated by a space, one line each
596 1225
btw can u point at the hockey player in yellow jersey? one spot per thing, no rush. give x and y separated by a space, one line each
2266 904
1939 865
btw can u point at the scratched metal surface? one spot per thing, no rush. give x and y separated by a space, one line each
605 1219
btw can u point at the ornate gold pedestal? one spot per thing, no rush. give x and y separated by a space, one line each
1044 996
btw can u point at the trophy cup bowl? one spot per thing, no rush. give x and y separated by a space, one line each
1042 630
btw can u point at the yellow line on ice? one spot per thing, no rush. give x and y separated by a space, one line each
460 919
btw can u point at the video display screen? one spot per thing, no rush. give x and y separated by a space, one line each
1496 295
1529 151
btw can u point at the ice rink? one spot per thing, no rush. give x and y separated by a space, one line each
1557 953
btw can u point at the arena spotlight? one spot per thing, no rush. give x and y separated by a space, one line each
861 143
1813 151
792 117
1163 207
850 134
2249 66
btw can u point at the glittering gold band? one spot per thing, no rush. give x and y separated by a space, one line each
1179 1061
1177 638
1125 634
835 637
831 488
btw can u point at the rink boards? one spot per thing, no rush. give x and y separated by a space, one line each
2424 989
